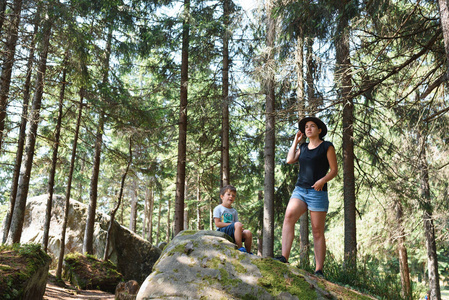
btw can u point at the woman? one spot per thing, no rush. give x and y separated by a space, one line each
317 166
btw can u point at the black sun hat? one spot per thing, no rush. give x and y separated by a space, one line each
318 122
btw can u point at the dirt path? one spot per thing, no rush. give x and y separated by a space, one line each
54 291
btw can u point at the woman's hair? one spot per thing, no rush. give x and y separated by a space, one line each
226 188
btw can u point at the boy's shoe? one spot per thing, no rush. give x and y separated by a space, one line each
281 259
319 273
242 249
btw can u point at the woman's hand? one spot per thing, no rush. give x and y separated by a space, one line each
298 137
318 186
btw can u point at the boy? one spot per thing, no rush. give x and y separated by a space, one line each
227 220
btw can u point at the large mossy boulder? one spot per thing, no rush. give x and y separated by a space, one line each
133 256
88 273
206 265
23 272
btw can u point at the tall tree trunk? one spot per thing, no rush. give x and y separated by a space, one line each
27 163
69 186
186 212
168 222
429 228
158 231
343 75
199 225
182 143
225 170
150 216
406 289
211 223
314 101
444 21
268 211
146 208
22 130
133 213
51 179
2 14
8 62
92 209
260 230
119 201
304 244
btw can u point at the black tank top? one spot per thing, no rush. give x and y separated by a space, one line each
313 164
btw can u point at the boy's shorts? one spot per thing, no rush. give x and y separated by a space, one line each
229 230
315 200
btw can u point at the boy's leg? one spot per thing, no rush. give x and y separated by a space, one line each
238 234
248 237
318 218
295 209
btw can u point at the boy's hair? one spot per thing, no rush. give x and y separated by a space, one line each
226 188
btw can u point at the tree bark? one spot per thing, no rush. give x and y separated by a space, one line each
444 21
150 215
158 231
406 289
225 170
22 130
429 228
69 186
133 213
119 201
168 222
8 62
51 179
182 143
27 163
92 209
268 211
199 225
304 244
343 75
2 13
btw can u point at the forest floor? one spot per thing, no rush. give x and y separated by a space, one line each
55 291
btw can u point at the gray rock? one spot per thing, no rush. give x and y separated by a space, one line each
133 255
207 265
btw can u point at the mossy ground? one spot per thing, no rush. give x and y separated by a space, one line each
17 264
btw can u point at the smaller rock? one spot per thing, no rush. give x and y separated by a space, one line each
127 291
88 272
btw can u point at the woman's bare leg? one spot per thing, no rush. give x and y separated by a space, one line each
295 209
318 219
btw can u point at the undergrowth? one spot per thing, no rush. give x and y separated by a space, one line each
368 279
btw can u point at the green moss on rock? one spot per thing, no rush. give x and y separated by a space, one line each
277 278
87 272
19 264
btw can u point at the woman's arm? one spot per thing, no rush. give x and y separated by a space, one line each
293 153
333 166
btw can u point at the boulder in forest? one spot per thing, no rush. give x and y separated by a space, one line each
23 272
133 256
88 272
207 265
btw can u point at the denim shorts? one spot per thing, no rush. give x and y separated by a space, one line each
229 230
315 200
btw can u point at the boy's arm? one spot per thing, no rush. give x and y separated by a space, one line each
220 224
